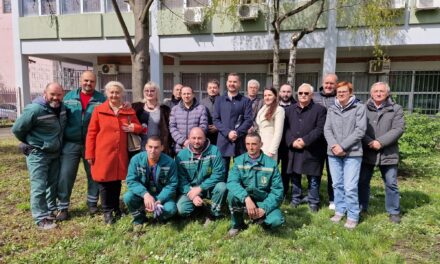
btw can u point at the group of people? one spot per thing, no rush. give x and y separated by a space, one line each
225 149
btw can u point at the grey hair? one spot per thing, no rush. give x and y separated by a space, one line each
306 85
253 81
381 83
114 83
154 85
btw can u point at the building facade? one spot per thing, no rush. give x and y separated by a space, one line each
190 45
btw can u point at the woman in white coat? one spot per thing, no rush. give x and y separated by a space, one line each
270 122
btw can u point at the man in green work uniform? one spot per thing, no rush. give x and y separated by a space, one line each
40 129
255 186
79 104
151 181
200 170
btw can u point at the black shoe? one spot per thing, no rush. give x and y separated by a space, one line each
93 209
304 200
293 205
62 215
108 218
314 208
52 216
395 218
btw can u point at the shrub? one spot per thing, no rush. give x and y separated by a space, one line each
421 137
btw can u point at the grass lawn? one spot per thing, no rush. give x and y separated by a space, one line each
305 238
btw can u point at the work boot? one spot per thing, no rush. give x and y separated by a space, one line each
46 224
108 218
62 215
93 209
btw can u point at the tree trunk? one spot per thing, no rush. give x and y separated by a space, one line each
140 59
276 60
292 61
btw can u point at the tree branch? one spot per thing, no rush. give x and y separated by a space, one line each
297 10
124 28
297 38
144 14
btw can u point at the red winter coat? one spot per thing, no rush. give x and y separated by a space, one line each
106 143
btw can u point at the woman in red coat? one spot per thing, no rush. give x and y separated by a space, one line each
106 147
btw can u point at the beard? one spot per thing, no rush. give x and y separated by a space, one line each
54 104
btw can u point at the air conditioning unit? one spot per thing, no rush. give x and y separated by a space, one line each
379 66
397 4
109 69
427 4
247 12
193 16
282 68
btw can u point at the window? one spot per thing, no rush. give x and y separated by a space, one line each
195 3
171 4
124 7
48 7
6 6
91 6
70 7
30 8
198 82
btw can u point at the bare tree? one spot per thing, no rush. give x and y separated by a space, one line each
278 19
139 50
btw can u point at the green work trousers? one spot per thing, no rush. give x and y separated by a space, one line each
136 207
43 173
238 209
71 156
217 195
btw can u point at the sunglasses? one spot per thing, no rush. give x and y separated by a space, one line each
303 93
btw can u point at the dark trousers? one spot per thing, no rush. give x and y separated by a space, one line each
226 163
331 196
110 192
284 159
314 183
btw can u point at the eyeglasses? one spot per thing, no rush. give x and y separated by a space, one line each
303 93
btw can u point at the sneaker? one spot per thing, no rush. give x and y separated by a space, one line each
208 221
93 209
62 215
108 218
233 232
336 218
350 224
314 208
332 206
395 218
46 224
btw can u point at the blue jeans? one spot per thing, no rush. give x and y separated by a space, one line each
345 176
389 177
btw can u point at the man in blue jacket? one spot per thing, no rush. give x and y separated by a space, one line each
255 187
79 104
200 170
232 117
40 129
152 182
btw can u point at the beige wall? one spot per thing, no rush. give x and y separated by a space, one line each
6 49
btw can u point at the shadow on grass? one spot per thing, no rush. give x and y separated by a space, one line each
9 149
408 200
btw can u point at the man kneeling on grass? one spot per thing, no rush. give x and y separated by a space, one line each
151 182
255 187
201 175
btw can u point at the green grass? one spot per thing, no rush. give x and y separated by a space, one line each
305 238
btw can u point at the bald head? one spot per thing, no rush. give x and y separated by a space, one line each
329 83
53 94
88 82
197 138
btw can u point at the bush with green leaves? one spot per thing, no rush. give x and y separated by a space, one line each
420 145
